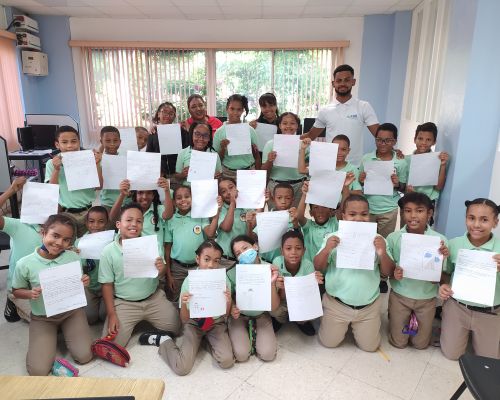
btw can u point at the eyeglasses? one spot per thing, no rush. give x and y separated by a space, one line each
385 141
199 135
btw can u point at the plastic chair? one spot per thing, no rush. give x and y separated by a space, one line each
481 377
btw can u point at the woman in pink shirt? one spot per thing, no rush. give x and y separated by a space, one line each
198 110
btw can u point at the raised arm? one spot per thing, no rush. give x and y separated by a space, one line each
14 187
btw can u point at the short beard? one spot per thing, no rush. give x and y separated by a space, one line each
346 94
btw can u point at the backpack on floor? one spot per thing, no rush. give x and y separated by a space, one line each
108 350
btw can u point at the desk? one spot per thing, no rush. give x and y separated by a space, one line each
39 387
27 156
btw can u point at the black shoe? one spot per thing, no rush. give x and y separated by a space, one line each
10 312
152 338
276 324
306 328
383 287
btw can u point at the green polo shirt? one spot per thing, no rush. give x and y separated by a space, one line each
231 274
148 226
462 242
23 239
306 267
242 161
239 228
94 284
111 271
314 235
356 287
383 204
185 234
429 190
27 274
281 173
411 288
74 199
184 158
355 170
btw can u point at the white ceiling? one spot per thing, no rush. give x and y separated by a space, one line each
211 9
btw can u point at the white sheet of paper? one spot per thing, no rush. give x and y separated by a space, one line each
420 258
202 165
114 170
91 245
378 178
356 249
303 298
239 138
253 287
128 139
287 150
333 180
169 138
424 169
265 133
251 188
39 201
207 288
62 288
322 157
80 170
204 198
143 170
139 256
475 277
271 226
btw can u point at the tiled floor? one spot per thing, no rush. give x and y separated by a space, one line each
303 369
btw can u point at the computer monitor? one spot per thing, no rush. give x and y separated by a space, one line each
44 136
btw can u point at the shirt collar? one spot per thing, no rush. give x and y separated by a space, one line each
347 103
487 246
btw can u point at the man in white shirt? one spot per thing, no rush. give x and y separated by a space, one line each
345 115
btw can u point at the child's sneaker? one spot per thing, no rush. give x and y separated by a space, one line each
10 312
153 338
306 328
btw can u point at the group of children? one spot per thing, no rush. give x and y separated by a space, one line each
351 297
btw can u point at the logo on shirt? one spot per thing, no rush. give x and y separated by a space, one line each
352 116
197 229
243 217
152 220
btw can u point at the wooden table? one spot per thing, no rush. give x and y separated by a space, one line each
46 387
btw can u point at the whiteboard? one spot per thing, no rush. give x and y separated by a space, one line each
50 119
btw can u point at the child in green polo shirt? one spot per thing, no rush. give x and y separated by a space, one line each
352 295
110 142
58 234
132 300
75 202
461 318
410 296
292 263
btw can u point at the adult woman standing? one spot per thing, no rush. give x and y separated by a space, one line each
198 110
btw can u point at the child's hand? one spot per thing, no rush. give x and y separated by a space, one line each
255 149
319 277
280 282
445 291
349 179
496 258
163 183
253 124
332 242
274 274
305 143
185 298
125 187
251 219
444 157
305 186
85 280
160 266
184 173
35 292
18 183
293 214
97 156
170 282
113 324
409 188
57 162
217 174
380 246
399 154
398 273
227 293
362 177
272 156
395 179
443 250
233 196
267 195
76 250
220 202
235 312
223 144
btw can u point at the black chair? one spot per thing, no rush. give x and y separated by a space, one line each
308 124
481 377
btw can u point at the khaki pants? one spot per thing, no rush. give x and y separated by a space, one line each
79 219
386 223
337 317
96 309
156 310
458 322
297 192
266 344
23 306
281 313
43 340
400 308
179 273
181 359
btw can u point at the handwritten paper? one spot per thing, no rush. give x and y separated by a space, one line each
378 178
287 150
475 277
333 180
128 139
139 257
207 287
62 288
202 165
420 258
114 170
265 133
169 138
91 245
356 249
204 198
322 157
271 226
251 188
253 287
80 170
143 170
424 169
303 298
39 201
239 139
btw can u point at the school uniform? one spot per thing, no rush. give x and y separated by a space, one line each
43 329
136 299
185 234
181 358
461 318
384 209
76 202
352 298
355 185
224 238
314 234
184 158
270 255
410 295
148 226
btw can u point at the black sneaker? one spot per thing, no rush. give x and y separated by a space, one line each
383 287
276 324
306 328
152 338
10 312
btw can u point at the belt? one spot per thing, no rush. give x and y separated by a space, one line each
230 169
76 210
290 182
137 301
350 306
185 265
484 310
